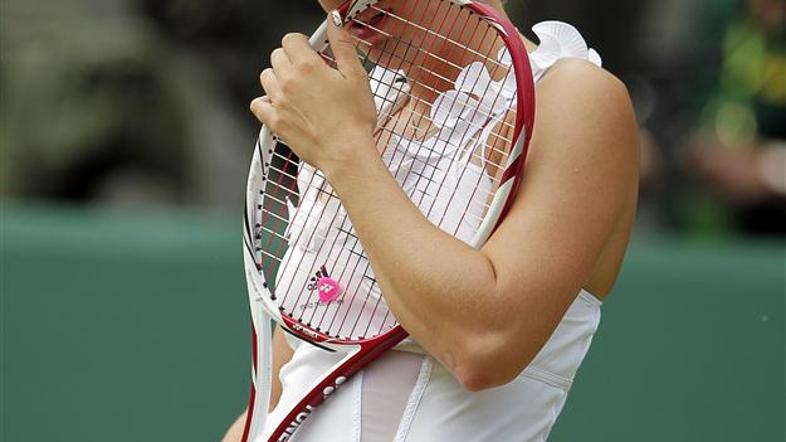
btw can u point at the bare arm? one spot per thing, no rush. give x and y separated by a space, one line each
498 305
512 293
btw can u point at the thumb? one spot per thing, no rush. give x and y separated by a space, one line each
343 47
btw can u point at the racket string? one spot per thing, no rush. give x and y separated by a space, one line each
365 269
430 179
480 140
372 315
420 100
260 227
402 139
441 26
413 158
465 212
357 241
421 145
343 222
439 36
454 129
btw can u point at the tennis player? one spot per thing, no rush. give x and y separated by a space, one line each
517 316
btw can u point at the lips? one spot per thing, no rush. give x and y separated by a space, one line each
367 26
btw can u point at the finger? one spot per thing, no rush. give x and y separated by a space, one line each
269 83
263 109
343 47
280 61
299 50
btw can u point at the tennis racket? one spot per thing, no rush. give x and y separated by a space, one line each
455 98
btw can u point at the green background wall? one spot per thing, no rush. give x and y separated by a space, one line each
131 328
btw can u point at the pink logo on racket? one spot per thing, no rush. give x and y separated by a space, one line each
328 289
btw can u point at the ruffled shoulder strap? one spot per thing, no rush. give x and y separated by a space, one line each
559 40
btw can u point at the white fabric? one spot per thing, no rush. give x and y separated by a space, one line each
369 408
408 396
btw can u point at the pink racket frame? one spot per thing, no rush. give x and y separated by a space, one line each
360 353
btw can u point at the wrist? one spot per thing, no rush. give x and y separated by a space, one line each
360 162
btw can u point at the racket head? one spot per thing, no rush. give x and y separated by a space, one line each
284 195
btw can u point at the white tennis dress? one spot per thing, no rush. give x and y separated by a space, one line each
407 395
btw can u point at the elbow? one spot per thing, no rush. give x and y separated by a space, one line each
475 381
483 368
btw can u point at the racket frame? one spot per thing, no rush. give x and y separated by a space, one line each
360 353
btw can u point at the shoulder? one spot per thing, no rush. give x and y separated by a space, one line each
585 143
579 87
578 93
584 111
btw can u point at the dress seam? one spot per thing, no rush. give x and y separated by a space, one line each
414 400
547 377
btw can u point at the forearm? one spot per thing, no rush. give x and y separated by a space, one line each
421 270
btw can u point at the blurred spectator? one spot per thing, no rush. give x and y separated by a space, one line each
739 150
98 106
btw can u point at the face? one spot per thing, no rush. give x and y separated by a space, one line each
408 21
329 5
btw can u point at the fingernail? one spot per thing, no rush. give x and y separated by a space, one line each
336 17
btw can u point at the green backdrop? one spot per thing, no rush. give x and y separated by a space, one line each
135 328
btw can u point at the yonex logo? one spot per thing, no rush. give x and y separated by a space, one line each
327 288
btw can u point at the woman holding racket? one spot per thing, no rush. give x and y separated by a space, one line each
500 311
